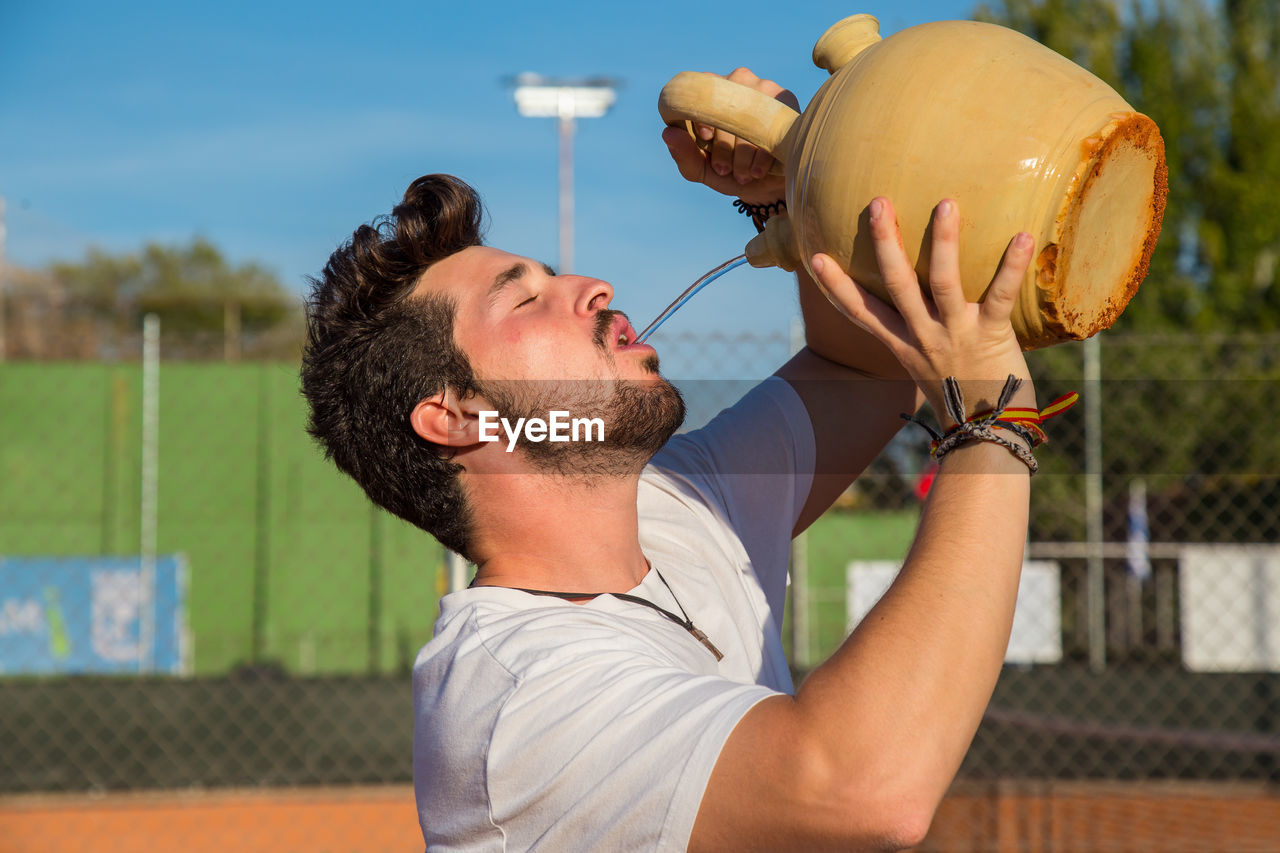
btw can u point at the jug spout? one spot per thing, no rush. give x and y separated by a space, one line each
775 246
845 40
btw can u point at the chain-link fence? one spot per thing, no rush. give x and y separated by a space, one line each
192 598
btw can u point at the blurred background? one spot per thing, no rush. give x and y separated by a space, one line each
206 632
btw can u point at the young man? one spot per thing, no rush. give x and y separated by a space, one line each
614 678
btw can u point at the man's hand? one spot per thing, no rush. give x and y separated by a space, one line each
945 336
731 166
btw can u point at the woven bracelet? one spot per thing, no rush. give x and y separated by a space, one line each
969 432
981 427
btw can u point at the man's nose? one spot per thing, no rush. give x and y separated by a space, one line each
593 295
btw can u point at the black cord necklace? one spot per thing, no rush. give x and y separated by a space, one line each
685 622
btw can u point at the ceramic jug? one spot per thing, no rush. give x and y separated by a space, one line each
1022 138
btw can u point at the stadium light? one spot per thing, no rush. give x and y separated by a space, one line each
564 100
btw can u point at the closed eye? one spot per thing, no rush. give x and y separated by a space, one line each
526 302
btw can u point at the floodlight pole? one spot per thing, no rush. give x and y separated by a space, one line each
566 101
565 123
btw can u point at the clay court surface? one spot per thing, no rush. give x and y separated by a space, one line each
991 818
316 820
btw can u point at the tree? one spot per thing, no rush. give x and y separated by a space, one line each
197 294
1209 75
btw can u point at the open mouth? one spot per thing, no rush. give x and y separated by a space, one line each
614 333
623 333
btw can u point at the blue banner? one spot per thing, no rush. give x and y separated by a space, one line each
92 615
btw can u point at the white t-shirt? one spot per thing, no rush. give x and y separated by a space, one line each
545 724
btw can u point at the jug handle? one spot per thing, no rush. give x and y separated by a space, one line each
697 96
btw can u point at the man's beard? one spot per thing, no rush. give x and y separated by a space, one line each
639 417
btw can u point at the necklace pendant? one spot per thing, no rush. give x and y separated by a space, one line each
706 641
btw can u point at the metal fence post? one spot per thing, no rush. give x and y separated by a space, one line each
149 497
801 624
262 524
1093 503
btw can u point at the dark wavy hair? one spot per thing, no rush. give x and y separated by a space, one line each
374 351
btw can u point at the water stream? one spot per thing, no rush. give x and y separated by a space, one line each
689 293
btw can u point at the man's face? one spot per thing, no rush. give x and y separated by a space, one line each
537 341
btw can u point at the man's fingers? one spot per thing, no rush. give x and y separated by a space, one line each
859 305
695 166
761 163
997 304
722 153
743 156
944 262
745 76
895 267
686 154
746 162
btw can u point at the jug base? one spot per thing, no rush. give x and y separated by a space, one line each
1107 231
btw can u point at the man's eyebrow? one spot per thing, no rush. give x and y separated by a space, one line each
504 279
512 274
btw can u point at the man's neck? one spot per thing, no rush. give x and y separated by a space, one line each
557 533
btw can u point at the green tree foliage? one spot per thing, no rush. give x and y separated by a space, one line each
1208 73
192 288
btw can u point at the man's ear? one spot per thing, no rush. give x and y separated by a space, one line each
444 419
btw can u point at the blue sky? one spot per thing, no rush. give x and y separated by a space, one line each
273 129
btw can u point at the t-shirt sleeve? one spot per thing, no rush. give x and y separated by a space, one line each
754 461
610 751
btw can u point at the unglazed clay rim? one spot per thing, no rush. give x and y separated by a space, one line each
1137 130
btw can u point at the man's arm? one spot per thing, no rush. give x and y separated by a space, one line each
860 757
854 391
